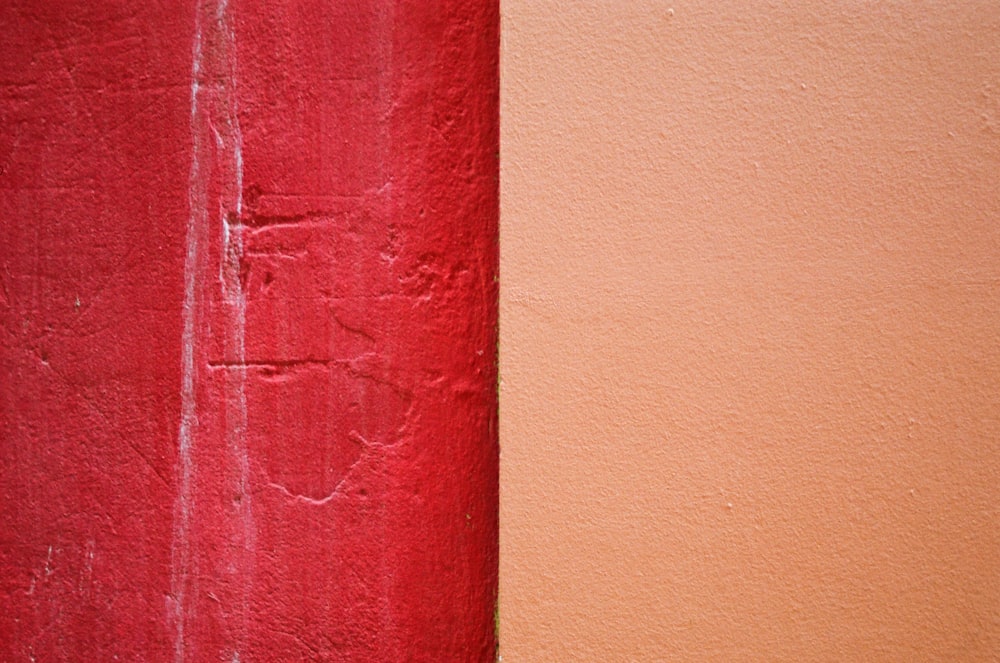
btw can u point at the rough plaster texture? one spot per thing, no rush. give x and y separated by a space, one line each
750 331
247 330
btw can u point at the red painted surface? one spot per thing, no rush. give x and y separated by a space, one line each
247 296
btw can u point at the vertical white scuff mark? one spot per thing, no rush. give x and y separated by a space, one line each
217 173
197 192
234 297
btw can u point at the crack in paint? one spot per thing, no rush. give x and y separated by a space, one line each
311 500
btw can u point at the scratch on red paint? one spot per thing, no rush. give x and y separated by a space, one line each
181 546
213 114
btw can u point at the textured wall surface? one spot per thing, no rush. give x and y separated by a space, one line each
247 329
750 318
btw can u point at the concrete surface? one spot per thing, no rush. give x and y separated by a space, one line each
750 331
247 331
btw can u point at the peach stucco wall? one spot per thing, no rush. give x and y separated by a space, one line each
750 331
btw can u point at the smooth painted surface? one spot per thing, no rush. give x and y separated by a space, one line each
750 331
247 330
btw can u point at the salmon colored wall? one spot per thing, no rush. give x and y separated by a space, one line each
750 331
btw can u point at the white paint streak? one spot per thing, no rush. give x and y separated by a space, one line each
213 118
197 191
234 295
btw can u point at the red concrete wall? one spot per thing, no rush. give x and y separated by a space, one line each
247 330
